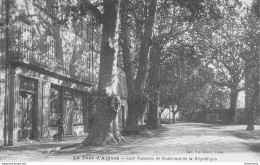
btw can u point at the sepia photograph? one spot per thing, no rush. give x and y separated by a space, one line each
104 81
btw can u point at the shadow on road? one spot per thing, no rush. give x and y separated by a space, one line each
255 147
212 126
252 138
157 132
245 134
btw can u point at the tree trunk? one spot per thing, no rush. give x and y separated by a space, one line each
135 89
174 112
134 116
251 111
233 107
153 116
191 115
154 88
105 127
105 130
143 64
173 116
136 111
251 96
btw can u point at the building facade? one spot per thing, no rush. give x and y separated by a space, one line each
49 66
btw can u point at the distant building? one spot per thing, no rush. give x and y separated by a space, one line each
47 69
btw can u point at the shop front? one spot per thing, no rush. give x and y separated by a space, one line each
39 101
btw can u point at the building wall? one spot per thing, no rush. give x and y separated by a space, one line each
45 126
44 49
39 35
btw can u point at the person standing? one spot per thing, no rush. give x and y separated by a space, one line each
60 124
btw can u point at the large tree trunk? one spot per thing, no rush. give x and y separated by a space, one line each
143 65
135 89
105 127
173 116
105 130
174 112
133 113
136 111
153 116
251 111
154 88
233 106
251 96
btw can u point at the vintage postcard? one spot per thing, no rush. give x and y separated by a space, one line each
129 81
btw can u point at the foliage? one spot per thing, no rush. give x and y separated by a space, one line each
198 43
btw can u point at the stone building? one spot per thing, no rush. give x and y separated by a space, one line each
48 67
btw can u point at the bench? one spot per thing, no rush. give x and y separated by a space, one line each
136 129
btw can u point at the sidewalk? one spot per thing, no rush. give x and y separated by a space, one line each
34 150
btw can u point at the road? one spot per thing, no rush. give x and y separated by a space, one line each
185 142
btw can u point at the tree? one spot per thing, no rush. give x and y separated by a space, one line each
175 21
136 82
225 53
251 57
105 127
176 91
153 119
252 90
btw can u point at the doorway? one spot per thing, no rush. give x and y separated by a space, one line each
25 116
68 115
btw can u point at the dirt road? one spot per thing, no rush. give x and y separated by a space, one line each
175 142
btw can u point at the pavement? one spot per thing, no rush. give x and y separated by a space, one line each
180 142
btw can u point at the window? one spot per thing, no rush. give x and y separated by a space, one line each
50 52
51 46
25 40
83 27
27 84
51 7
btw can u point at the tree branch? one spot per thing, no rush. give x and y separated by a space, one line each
88 5
222 84
241 89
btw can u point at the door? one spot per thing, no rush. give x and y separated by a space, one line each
25 116
68 116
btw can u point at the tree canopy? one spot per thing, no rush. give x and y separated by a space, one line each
181 52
